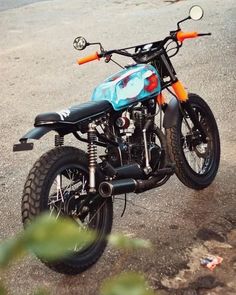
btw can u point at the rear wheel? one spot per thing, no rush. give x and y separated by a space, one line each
196 162
58 183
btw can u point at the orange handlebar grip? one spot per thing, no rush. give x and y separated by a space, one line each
181 35
88 58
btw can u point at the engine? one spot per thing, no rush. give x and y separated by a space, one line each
132 144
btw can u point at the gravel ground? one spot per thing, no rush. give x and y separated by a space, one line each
38 74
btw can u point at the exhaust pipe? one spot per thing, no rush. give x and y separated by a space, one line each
117 187
125 171
129 185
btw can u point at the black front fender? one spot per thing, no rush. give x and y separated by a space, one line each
35 133
171 114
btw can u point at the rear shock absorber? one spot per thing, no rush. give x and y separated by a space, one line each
59 140
92 155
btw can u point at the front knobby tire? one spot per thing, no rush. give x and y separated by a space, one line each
65 162
196 163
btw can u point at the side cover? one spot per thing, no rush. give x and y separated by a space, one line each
133 84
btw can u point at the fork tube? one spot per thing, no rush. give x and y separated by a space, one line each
187 106
180 91
168 68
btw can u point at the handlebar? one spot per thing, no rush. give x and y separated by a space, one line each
177 36
181 36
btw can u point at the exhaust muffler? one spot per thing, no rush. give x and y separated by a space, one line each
130 185
117 187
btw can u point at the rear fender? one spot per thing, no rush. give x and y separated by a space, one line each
35 133
172 113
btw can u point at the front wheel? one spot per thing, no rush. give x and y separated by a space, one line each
58 183
196 161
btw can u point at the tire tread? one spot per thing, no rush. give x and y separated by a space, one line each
32 201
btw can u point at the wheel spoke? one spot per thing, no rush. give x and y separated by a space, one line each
58 184
197 155
68 184
99 209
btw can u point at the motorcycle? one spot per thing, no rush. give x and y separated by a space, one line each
139 154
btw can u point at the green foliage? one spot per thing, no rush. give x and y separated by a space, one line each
126 284
48 237
123 242
11 249
51 238
3 291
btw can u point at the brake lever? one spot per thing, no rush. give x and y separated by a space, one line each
108 58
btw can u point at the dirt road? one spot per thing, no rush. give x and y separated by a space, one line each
38 74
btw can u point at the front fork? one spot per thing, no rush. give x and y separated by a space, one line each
182 96
192 115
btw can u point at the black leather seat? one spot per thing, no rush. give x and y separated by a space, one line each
74 114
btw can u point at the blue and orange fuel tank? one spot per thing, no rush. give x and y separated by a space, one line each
133 84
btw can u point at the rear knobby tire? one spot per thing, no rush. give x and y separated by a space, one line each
36 198
175 144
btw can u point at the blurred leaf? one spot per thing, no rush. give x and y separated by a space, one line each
3 290
121 241
11 249
126 284
51 238
48 237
